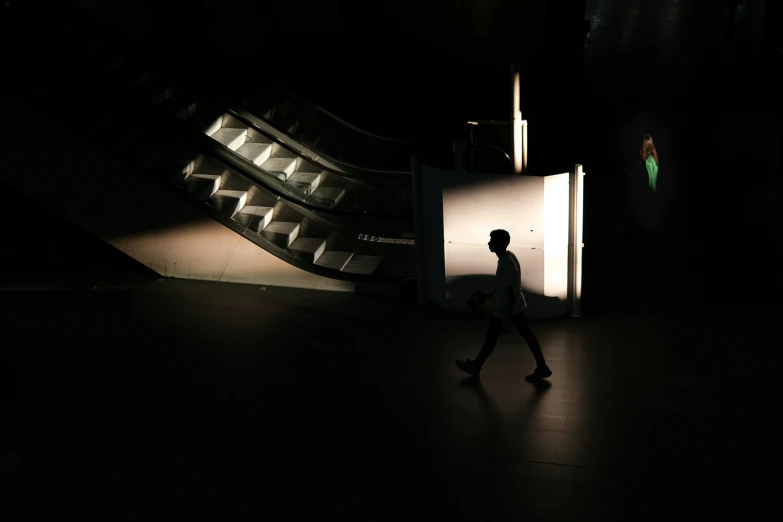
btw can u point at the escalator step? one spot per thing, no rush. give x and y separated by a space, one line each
205 120
231 138
334 260
282 233
307 182
255 217
362 264
228 201
136 79
256 153
280 166
155 91
202 185
181 105
330 196
307 248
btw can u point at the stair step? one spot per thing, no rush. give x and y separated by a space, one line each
305 181
362 264
163 95
183 107
309 248
137 79
155 94
329 195
181 168
263 215
231 138
257 153
280 166
203 185
229 201
281 233
204 177
209 124
334 260
198 116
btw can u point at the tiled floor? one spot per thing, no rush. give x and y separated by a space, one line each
197 398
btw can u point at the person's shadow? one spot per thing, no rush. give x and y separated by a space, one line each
474 383
493 418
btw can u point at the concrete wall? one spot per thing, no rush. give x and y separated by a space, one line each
534 210
138 216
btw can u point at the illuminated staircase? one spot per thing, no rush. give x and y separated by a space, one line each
268 216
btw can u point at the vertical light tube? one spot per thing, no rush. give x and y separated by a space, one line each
580 190
516 120
515 107
524 146
518 143
575 222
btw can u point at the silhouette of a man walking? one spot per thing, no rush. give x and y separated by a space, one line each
508 306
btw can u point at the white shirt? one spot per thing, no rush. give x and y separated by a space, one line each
508 274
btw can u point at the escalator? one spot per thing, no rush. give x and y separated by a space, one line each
336 141
315 213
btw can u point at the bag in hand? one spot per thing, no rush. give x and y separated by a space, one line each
480 304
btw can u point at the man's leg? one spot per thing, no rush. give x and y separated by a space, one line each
491 339
523 327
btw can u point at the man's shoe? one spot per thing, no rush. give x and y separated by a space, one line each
538 374
468 366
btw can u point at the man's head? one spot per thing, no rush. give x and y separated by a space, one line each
498 241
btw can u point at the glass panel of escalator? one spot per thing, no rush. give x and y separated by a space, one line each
283 168
328 134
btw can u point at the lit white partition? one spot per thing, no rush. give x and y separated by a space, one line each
556 219
459 211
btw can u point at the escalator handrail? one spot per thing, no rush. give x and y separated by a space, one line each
318 108
252 172
494 147
250 119
242 112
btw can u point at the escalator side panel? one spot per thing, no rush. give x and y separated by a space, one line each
134 214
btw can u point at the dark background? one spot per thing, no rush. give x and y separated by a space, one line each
419 71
